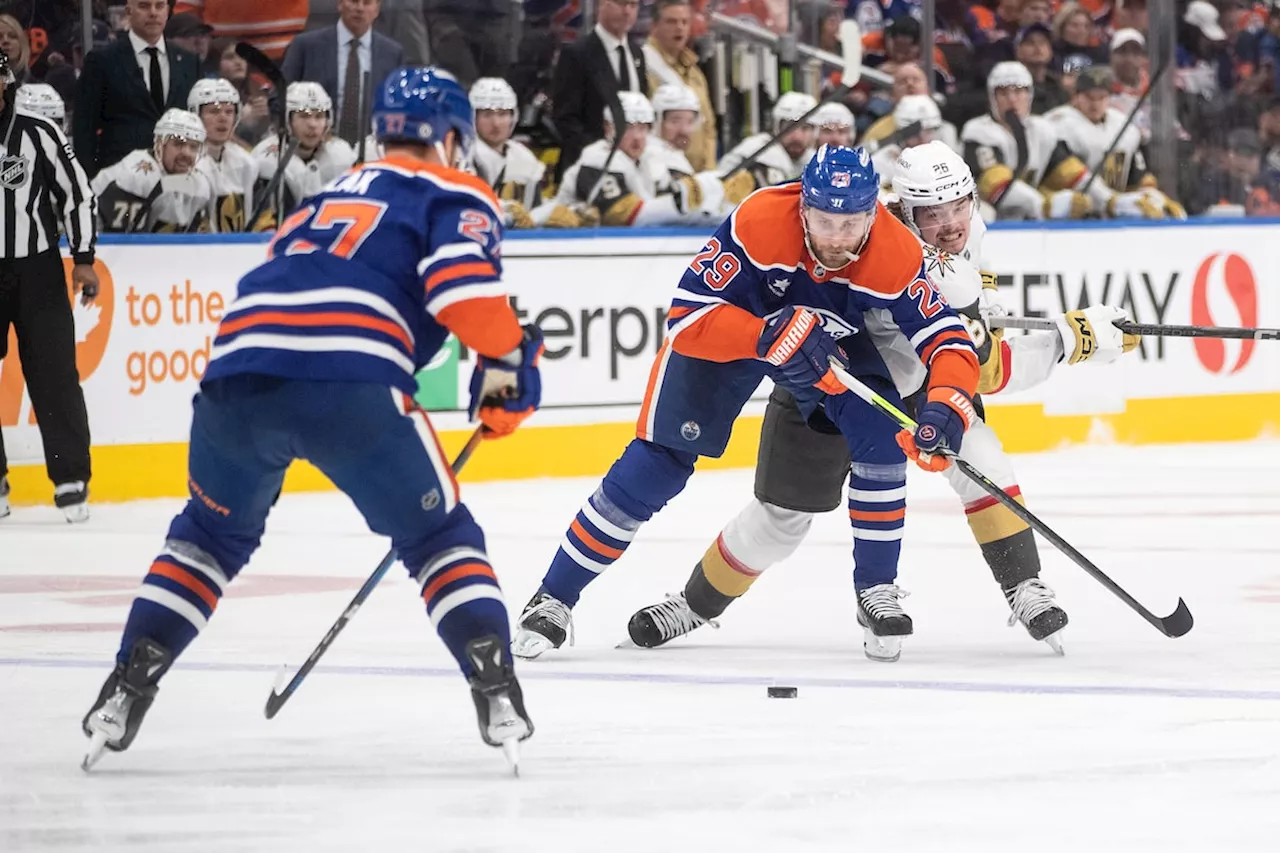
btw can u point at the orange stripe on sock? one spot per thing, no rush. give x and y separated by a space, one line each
457 573
190 581
593 543
886 515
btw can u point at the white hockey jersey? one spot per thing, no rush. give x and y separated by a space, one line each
774 166
304 178
1125 167
232 178
136 195
515 173
992 153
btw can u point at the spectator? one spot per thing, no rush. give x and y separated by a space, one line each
337 57
1130 14
255 116
49 26
1129 68
1075 35
14 44
269 25
899 42
1034 49
908 79
1204 62
125 87
472 38
589 74
997 31
1035 12
1072 67
400 20
669 59
189 33
1269 135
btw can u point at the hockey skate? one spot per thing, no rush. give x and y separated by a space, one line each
499 701
4 496
883 621
113 721
545 624
1031 603
73 500
660 623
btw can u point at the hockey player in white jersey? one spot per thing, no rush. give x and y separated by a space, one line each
230 170
319 158
1088 126
42 100
1038 181
160 189
833 124
677 115
916 120
631 185
516 174
786 158
801 466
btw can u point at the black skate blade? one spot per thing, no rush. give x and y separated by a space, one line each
1179 622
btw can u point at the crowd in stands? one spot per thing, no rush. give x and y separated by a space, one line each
613 120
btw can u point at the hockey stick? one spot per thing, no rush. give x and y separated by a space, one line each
281 695
619 127
1142 99
1153 329
272 185
1174 625
264 65
1019 134
851 53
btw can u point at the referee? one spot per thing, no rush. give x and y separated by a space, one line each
42 186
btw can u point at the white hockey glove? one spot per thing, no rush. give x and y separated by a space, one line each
702 193
1091 333
1021 201
991 302
1134 206
1066 204
1171 208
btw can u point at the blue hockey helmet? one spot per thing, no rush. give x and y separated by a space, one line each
840 180
422 105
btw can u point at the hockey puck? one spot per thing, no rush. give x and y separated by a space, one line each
783 692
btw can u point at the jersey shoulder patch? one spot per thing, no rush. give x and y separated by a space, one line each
766 226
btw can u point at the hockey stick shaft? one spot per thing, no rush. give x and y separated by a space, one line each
1174 625
851 52
1152 329
281 695
272 185
1142 99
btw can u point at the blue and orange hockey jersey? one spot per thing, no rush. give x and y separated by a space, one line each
757 264
365 282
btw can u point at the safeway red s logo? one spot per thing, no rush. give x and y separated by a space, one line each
1224 279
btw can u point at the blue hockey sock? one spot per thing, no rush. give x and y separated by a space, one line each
877 512
597 537
464 601
176 600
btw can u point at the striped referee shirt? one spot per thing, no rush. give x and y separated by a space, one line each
42 187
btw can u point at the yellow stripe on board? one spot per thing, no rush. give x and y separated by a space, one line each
130 472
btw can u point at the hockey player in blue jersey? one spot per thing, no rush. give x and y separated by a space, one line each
315 360
780 288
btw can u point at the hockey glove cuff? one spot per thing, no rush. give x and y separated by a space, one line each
942 422
1091 333
795 343
507 390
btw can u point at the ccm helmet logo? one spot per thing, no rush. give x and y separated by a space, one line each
1225 293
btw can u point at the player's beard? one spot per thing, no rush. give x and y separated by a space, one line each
834 254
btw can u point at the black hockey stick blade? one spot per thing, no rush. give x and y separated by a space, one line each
1179 621
281 692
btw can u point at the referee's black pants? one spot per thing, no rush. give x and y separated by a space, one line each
33 299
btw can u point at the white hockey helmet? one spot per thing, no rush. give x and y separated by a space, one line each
790 106
917 108
636 109
179 124
675 96
492 93
43 100
1008 75
833 114
307 97
213 90
931 174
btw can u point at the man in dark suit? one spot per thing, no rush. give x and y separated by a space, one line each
336 57
588 76
126 86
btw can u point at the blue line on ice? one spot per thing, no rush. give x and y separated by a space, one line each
537 672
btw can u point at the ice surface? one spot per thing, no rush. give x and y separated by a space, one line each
978 739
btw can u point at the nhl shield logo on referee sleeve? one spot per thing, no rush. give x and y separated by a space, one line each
15 171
